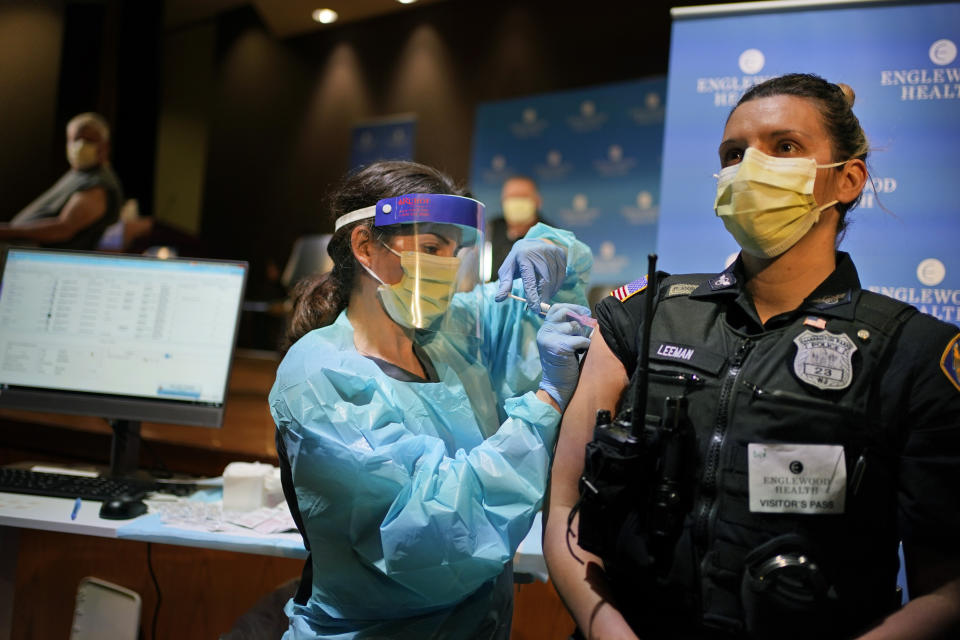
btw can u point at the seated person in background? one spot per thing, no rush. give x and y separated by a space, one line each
75 211
520 201
416 418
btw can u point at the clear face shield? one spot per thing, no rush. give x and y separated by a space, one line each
438 240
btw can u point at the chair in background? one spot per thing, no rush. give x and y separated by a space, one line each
263 320
307 257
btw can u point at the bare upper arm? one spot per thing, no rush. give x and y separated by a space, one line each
601 383
83 209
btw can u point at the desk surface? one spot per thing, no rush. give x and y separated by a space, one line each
53 514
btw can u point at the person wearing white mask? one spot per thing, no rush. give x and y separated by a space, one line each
417 409
794 428
77 209
520 204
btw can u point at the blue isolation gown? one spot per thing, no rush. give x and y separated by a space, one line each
415 495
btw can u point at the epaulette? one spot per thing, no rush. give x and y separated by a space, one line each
629 289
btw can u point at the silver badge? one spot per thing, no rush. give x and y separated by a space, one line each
824 359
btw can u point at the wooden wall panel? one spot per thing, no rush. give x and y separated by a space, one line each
203 591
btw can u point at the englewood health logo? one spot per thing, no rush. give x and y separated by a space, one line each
939 302
727 90
940 82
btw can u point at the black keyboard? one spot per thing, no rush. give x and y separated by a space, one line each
62 485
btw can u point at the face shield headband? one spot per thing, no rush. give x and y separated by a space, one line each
466 213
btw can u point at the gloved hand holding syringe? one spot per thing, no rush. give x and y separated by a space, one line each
562 340
544 308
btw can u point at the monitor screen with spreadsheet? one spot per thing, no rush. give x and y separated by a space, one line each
121 337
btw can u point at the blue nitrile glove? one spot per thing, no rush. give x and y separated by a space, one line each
541 265
559 341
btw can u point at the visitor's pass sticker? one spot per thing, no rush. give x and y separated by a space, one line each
797 478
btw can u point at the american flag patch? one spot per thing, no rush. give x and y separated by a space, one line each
815 322
627 290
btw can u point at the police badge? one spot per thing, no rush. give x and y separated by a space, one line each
824 360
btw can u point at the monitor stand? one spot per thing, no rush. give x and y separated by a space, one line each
125 448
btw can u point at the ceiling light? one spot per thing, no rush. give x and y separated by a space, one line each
325 16
406 1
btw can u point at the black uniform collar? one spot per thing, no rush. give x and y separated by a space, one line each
835 297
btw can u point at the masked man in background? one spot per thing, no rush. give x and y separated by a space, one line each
75 211
520 201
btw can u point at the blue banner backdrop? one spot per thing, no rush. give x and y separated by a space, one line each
389 138
902 63
595 155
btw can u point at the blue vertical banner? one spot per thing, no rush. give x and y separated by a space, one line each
900 59
390 138
595 155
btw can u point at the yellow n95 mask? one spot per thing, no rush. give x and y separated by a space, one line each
519 210
82 154
424 291
767 203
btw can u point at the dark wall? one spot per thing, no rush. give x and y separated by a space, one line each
137 69
284 109
30 36
59 58
279 130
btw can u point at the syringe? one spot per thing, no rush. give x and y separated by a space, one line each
544 307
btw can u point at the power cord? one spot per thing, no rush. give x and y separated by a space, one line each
156 585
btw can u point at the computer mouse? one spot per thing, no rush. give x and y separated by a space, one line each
122 508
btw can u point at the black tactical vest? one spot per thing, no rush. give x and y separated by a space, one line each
738 573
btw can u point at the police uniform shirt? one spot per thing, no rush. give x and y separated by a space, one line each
918 383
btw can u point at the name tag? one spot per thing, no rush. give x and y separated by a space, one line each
797 478
694 356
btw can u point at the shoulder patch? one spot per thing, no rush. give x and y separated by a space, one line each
723 281
629 289
950 361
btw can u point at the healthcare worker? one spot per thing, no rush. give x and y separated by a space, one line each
796 426
416 426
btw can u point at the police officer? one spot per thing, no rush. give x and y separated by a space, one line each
821 423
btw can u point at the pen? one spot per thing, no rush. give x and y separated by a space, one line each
76 509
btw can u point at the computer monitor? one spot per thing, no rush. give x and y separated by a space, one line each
122 337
